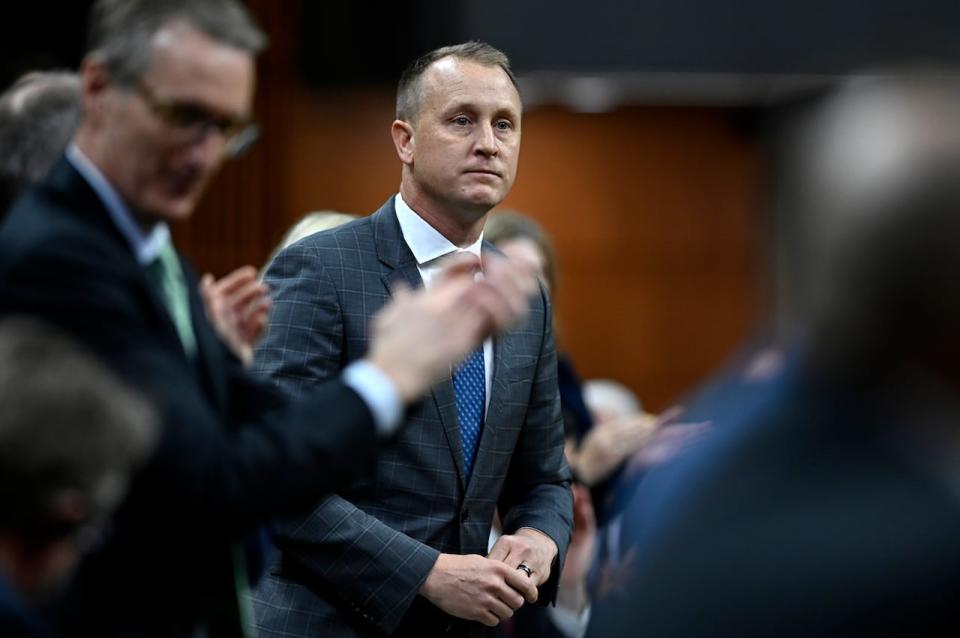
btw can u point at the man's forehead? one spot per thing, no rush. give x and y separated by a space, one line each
186 63
450 78
179 42
446 66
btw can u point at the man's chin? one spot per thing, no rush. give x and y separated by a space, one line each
170 210
485 198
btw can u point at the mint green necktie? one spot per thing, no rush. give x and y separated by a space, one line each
167 275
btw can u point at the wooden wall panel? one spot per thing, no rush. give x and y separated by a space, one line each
653 215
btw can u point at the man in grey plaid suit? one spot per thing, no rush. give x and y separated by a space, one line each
405 552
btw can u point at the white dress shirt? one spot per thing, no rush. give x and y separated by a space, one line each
429 248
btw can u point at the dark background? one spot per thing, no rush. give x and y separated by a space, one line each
350 43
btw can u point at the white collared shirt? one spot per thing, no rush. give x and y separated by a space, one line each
429 247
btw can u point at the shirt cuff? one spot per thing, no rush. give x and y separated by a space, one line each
378 392
570 623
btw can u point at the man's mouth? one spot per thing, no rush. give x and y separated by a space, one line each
483 171
182 182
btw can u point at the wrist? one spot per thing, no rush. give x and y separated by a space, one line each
400 378
430 584
572 596
540 537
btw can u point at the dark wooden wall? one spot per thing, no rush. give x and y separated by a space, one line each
653 211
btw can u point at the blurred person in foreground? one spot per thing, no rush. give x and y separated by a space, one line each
70 437
39 115
167 89
832 509
403 553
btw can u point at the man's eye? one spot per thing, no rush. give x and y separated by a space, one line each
504 125
461 120
185 115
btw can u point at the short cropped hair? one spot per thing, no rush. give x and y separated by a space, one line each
410 90
66 424
120 32
39 114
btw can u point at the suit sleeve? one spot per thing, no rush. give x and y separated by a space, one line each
537 489
370 568
223 468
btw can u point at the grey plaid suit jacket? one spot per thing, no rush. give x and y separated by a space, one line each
353 566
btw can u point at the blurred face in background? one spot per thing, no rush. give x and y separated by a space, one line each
525 251
161 140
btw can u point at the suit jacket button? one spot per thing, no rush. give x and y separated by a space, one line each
464 516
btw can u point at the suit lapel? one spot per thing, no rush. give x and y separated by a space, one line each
209 361
499 390
394 253
503 347
446 402
66 183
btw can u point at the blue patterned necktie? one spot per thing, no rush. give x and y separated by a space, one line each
469 383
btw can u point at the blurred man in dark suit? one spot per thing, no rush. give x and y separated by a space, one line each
404 553
831 508
39 115
167 90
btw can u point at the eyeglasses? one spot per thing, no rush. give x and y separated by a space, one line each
239 133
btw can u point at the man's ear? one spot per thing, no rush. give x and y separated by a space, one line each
402 133
94 82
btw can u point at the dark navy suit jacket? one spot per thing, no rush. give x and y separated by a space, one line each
354 564
233 451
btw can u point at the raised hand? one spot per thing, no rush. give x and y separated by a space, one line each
238 307
609 444
420 334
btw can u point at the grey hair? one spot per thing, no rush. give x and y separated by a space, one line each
121 32
39 114
410 88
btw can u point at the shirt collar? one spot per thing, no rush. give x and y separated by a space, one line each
146 246
425 242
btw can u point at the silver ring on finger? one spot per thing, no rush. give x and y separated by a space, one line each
525 569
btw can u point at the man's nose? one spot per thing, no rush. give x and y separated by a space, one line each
209 147
487 144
